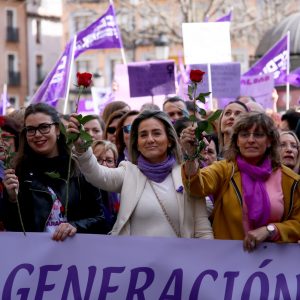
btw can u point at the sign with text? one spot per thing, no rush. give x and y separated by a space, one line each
225 79
206 42
260 87
105 267
151 78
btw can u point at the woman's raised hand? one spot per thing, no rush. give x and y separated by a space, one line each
74 127
187 140
11 184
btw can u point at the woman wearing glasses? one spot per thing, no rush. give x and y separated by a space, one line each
256 199
153 201
289 150
123 134
40 179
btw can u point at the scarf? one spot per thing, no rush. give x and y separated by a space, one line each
156 172
1 169
254 191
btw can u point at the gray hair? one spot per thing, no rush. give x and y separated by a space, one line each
170 132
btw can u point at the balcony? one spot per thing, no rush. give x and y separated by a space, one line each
14 78
12 34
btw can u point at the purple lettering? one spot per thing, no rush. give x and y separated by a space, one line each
139 292
72 279
177 276
230 283
281 288
10 280
264 283
105 287
42 286
196 286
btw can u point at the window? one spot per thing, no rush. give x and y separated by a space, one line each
11 62
39 68
38 32
10 18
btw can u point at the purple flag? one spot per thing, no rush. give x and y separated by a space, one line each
102 34
4 101
274 61
226 18
294 77
54 86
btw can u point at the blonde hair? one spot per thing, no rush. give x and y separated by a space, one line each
107 145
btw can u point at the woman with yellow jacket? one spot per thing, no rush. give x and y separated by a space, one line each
256 198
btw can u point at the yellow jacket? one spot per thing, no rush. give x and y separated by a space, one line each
222 179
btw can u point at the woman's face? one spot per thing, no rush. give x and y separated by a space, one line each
210 153
94 129
7 144
127 128
153 141
231 112
42 134
105 158
111 130
253 144
289 150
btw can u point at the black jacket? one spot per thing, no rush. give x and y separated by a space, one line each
84 209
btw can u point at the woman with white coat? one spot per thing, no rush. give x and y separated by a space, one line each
153 201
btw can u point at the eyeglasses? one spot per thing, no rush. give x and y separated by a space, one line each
111 130
256 135
287 145
43 128
127 129
107 161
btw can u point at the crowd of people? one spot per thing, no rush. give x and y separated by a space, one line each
141 177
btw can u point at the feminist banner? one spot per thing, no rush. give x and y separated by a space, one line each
274 61
54 87
105 267
102 34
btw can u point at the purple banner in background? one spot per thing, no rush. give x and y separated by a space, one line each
151 78
91 266
274 61
260 87
225 79
54 87
294 77
103 33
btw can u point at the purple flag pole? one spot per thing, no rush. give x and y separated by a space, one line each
117 27
287 104
70 73
4 99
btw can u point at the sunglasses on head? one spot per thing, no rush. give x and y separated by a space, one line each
111 130
127 129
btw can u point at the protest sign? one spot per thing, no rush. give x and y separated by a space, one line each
260 87
206 42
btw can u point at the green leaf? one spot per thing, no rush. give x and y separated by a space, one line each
214 116
86 137
201 111
62 129
201 98
202 125
72 137
79 118
54 175
190 97
205 94
193 118
190 89
210 128
86 119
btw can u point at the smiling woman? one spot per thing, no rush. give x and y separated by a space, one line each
40 178
256 198
153 201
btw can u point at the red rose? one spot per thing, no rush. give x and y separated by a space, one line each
84 79
196 75
2 121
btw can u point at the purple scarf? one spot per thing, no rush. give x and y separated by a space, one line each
254 191
156 172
